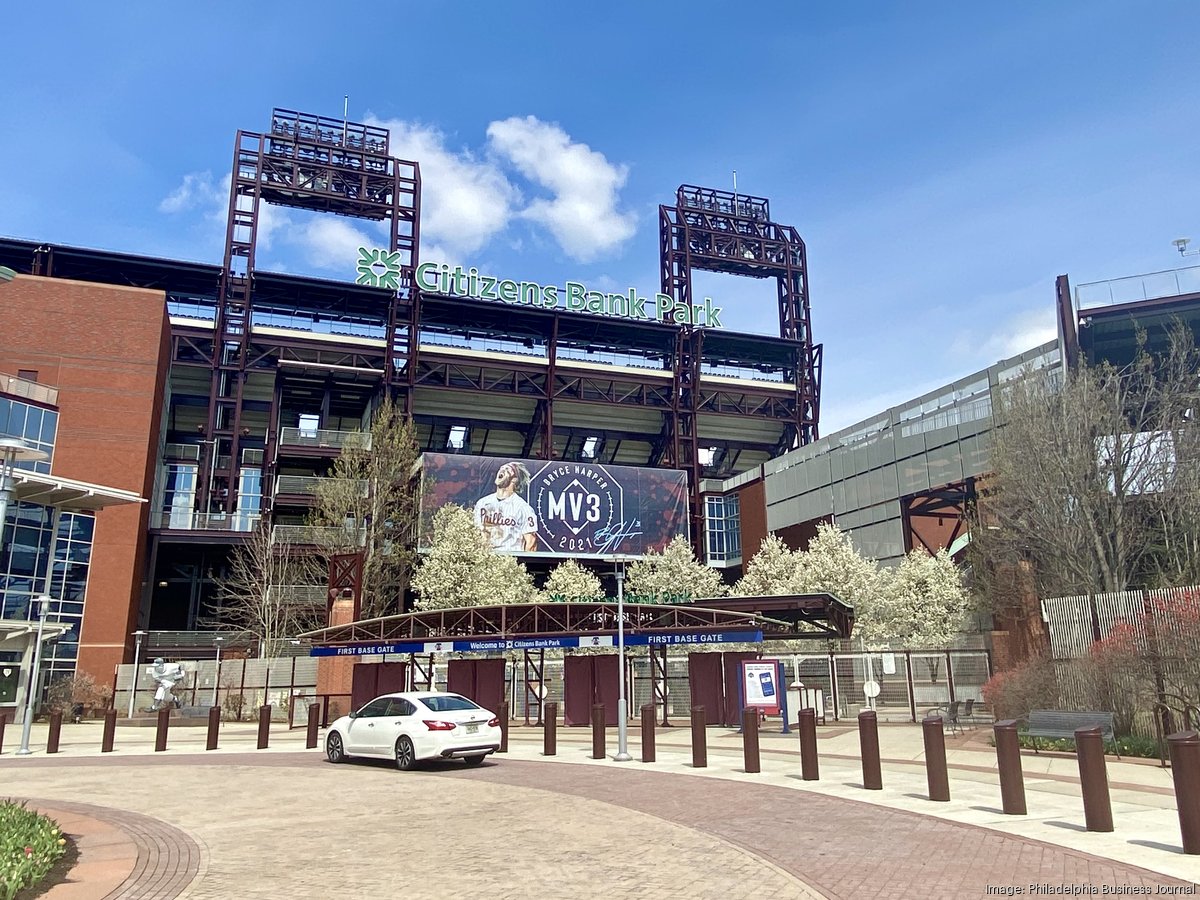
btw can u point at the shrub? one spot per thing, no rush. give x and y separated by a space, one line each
80 689
1013 693
30 845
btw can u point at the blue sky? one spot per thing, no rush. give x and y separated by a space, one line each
943 161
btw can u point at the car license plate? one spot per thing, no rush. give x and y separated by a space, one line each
472 728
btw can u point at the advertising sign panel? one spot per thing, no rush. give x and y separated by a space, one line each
761 686
558 507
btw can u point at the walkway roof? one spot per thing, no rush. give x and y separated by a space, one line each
67 493
800 616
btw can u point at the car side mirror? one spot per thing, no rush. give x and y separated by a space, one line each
354 714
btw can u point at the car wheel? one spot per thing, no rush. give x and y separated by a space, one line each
474 760
333 748
406 755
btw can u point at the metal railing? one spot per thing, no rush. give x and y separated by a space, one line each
313 535
324 437
1135 288
30 390
186 520
308 484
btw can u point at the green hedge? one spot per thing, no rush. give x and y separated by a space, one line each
1127 745
30 845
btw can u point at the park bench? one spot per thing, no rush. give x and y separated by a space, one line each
1061 723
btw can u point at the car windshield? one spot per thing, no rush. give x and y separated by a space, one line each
448 703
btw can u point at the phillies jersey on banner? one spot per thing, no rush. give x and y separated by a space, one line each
506 521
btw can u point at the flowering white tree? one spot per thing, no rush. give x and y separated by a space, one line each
771 571
921 603
924 603
569 581
462 570
673 576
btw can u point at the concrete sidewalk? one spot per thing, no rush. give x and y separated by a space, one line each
1147 827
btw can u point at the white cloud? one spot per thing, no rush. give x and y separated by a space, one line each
465 201
328 242
582 215
195 191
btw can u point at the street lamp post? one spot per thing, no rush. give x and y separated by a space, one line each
137 658
34 676
217 675
622 705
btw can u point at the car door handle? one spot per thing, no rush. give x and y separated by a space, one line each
370 724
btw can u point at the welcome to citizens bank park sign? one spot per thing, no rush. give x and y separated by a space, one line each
381 268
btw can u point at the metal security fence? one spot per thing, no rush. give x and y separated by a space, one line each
910 682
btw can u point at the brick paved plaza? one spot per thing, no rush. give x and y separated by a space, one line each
282 822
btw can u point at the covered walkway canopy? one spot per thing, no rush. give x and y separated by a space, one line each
590 624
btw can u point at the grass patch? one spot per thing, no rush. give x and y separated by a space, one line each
30 845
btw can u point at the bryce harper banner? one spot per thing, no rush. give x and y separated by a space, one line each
559 507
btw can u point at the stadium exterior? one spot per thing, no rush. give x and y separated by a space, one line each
219 393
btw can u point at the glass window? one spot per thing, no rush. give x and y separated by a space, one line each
448 703
377 707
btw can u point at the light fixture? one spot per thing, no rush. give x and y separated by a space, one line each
1181 245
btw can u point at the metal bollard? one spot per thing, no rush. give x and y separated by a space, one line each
160 732
110 731
750 755
935 758
648 732
868 742
1008 761
1185 771
550 729
2 721
598 731
314 722
264 726
807 726
55 731
503 715
699 747
1093 779
214 727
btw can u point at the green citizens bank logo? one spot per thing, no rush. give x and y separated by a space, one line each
379 268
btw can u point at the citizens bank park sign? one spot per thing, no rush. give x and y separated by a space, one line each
542 507
484 645
381 268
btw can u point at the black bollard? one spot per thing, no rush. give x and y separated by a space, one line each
699 747
550 729
55 731
868 742
503 716
314 722
750 754
935 758
264 726
110 731
214 728
648 732
807 726
1008 762
1093 779
1185 770
160 732
598 731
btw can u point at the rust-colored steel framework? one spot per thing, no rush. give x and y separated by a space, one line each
720 231
323 165
799 616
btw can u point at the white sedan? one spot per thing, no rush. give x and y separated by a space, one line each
413 726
